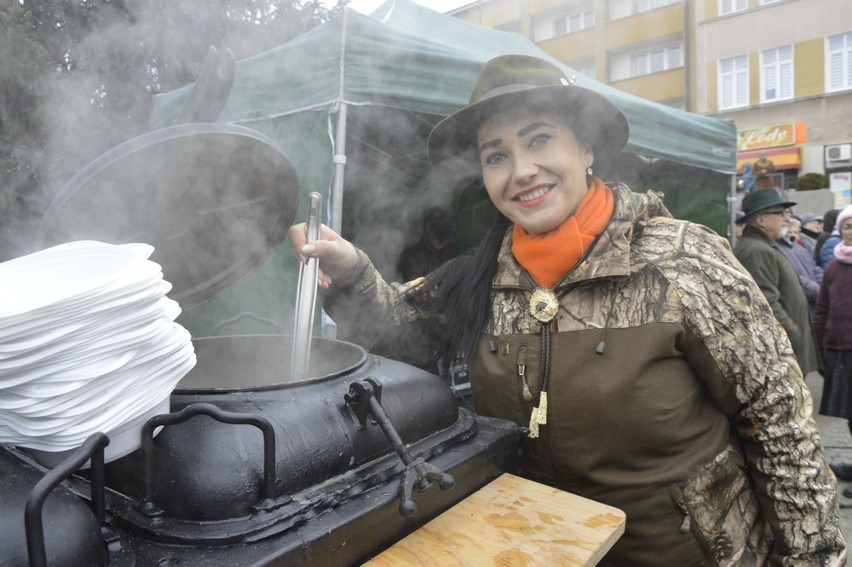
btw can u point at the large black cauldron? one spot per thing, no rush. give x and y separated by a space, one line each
247 468
202 491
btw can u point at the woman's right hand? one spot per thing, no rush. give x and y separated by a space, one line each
337 257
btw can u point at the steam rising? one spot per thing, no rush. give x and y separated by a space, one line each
389 184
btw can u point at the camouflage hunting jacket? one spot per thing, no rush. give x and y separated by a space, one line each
673 394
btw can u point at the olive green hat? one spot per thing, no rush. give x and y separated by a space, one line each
508 81
758 201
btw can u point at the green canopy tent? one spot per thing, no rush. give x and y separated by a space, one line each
351 103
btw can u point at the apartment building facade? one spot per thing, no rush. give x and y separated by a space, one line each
781 69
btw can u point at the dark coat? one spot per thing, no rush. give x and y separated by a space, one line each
825 251
779 282
803 262
833 315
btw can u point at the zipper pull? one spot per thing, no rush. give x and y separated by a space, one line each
687 522
522 368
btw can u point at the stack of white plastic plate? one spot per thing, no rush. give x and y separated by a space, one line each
88 343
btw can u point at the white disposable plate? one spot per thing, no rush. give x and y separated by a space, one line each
123 440
72 369
73 379
59 374
158 373
124 332
143 276
102 399
30 282
171 337
68 432
36 330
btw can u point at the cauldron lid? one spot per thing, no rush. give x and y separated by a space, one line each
215 200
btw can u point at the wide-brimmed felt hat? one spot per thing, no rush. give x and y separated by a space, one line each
509 81
758 201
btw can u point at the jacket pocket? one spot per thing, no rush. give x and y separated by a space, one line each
721 511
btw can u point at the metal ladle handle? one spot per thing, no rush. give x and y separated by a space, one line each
306 296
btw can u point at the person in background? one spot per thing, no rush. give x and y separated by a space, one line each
767 217
746 177
802 261
764 173
738 226
833 327
830 237
433 248
794 230
643 362
811 229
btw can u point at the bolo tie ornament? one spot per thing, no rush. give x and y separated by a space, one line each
544 305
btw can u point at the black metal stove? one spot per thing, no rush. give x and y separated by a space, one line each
248 468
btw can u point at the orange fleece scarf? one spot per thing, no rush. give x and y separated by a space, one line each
547 257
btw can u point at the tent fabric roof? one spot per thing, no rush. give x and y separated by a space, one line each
409 57
397 72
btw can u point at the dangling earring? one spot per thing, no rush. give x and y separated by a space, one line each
589 171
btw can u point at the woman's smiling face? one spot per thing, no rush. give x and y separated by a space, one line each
846 232
533 167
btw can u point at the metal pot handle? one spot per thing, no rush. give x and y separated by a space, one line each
92 449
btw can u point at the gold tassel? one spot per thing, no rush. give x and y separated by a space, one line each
533 424
541 411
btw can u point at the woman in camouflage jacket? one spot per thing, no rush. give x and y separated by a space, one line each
652 374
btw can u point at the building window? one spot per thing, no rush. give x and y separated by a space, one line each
646 5
585 67
776 68
656 60
571 23
624 8
731 6
733 82
839 62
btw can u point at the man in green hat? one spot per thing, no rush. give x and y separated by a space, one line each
766 218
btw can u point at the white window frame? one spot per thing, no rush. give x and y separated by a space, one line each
732 6
573 22
738 78
669 57
776 74
838 62
585 67
639 6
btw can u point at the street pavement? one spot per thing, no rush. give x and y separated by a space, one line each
838 449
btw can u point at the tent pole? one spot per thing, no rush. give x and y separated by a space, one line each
335 201
732 211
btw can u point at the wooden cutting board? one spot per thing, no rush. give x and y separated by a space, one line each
511 522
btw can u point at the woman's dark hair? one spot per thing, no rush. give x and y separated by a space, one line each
462 293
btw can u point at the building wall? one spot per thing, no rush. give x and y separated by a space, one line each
645 27
666 86
804 24
611 38
707 37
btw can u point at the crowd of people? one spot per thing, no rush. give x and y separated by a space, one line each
818 252
643 364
